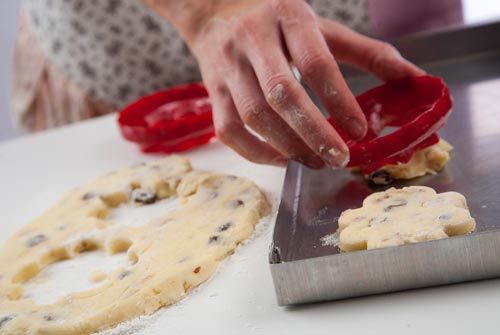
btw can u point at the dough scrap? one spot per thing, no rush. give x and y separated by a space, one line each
429 160
402 216
168 256
97 276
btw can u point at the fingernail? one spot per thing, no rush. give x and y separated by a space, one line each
336 158
279 161
397 54
356 129
313 162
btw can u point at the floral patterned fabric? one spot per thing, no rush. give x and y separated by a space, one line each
105 54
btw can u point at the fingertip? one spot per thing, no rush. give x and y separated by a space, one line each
418 71
409 68
313 162
401 68
279 161
356 129
335 157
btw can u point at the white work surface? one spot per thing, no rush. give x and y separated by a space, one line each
35 171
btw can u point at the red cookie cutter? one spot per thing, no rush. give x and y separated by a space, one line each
416 107
172 120
180 118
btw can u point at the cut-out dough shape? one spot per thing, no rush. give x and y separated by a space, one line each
429 160
168 256
402 216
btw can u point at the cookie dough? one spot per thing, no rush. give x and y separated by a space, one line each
402 216
97 276
429 160
168 256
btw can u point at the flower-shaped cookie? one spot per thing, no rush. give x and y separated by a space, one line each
402 216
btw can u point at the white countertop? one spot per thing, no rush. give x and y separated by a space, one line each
35 171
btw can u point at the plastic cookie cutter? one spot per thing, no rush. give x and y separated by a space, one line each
180 118
172 120
416 107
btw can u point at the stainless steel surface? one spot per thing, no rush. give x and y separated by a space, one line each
304 270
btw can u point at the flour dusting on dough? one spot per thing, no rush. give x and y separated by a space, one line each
330 240
262 229
216 214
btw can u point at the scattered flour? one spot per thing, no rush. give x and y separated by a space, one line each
131 327
140 323
331 239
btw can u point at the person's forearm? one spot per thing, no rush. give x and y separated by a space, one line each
191 16
188 16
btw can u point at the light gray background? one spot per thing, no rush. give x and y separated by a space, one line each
9 10
475 11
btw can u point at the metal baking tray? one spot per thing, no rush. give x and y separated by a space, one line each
304 269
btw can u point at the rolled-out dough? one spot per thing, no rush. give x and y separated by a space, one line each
168 255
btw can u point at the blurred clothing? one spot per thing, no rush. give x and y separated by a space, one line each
392 19
77 59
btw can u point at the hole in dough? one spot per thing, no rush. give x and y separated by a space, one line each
99 211
118 245
133 216
62 275
97 276
85 245
54 255
61 278
114 199
26 272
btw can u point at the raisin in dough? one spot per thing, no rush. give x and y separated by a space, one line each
429 160
168 255
402 216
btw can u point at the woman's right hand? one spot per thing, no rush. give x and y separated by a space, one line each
245 49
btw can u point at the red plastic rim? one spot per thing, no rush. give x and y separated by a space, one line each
180 118
186 121
417 107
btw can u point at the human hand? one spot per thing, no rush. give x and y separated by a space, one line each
245 49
